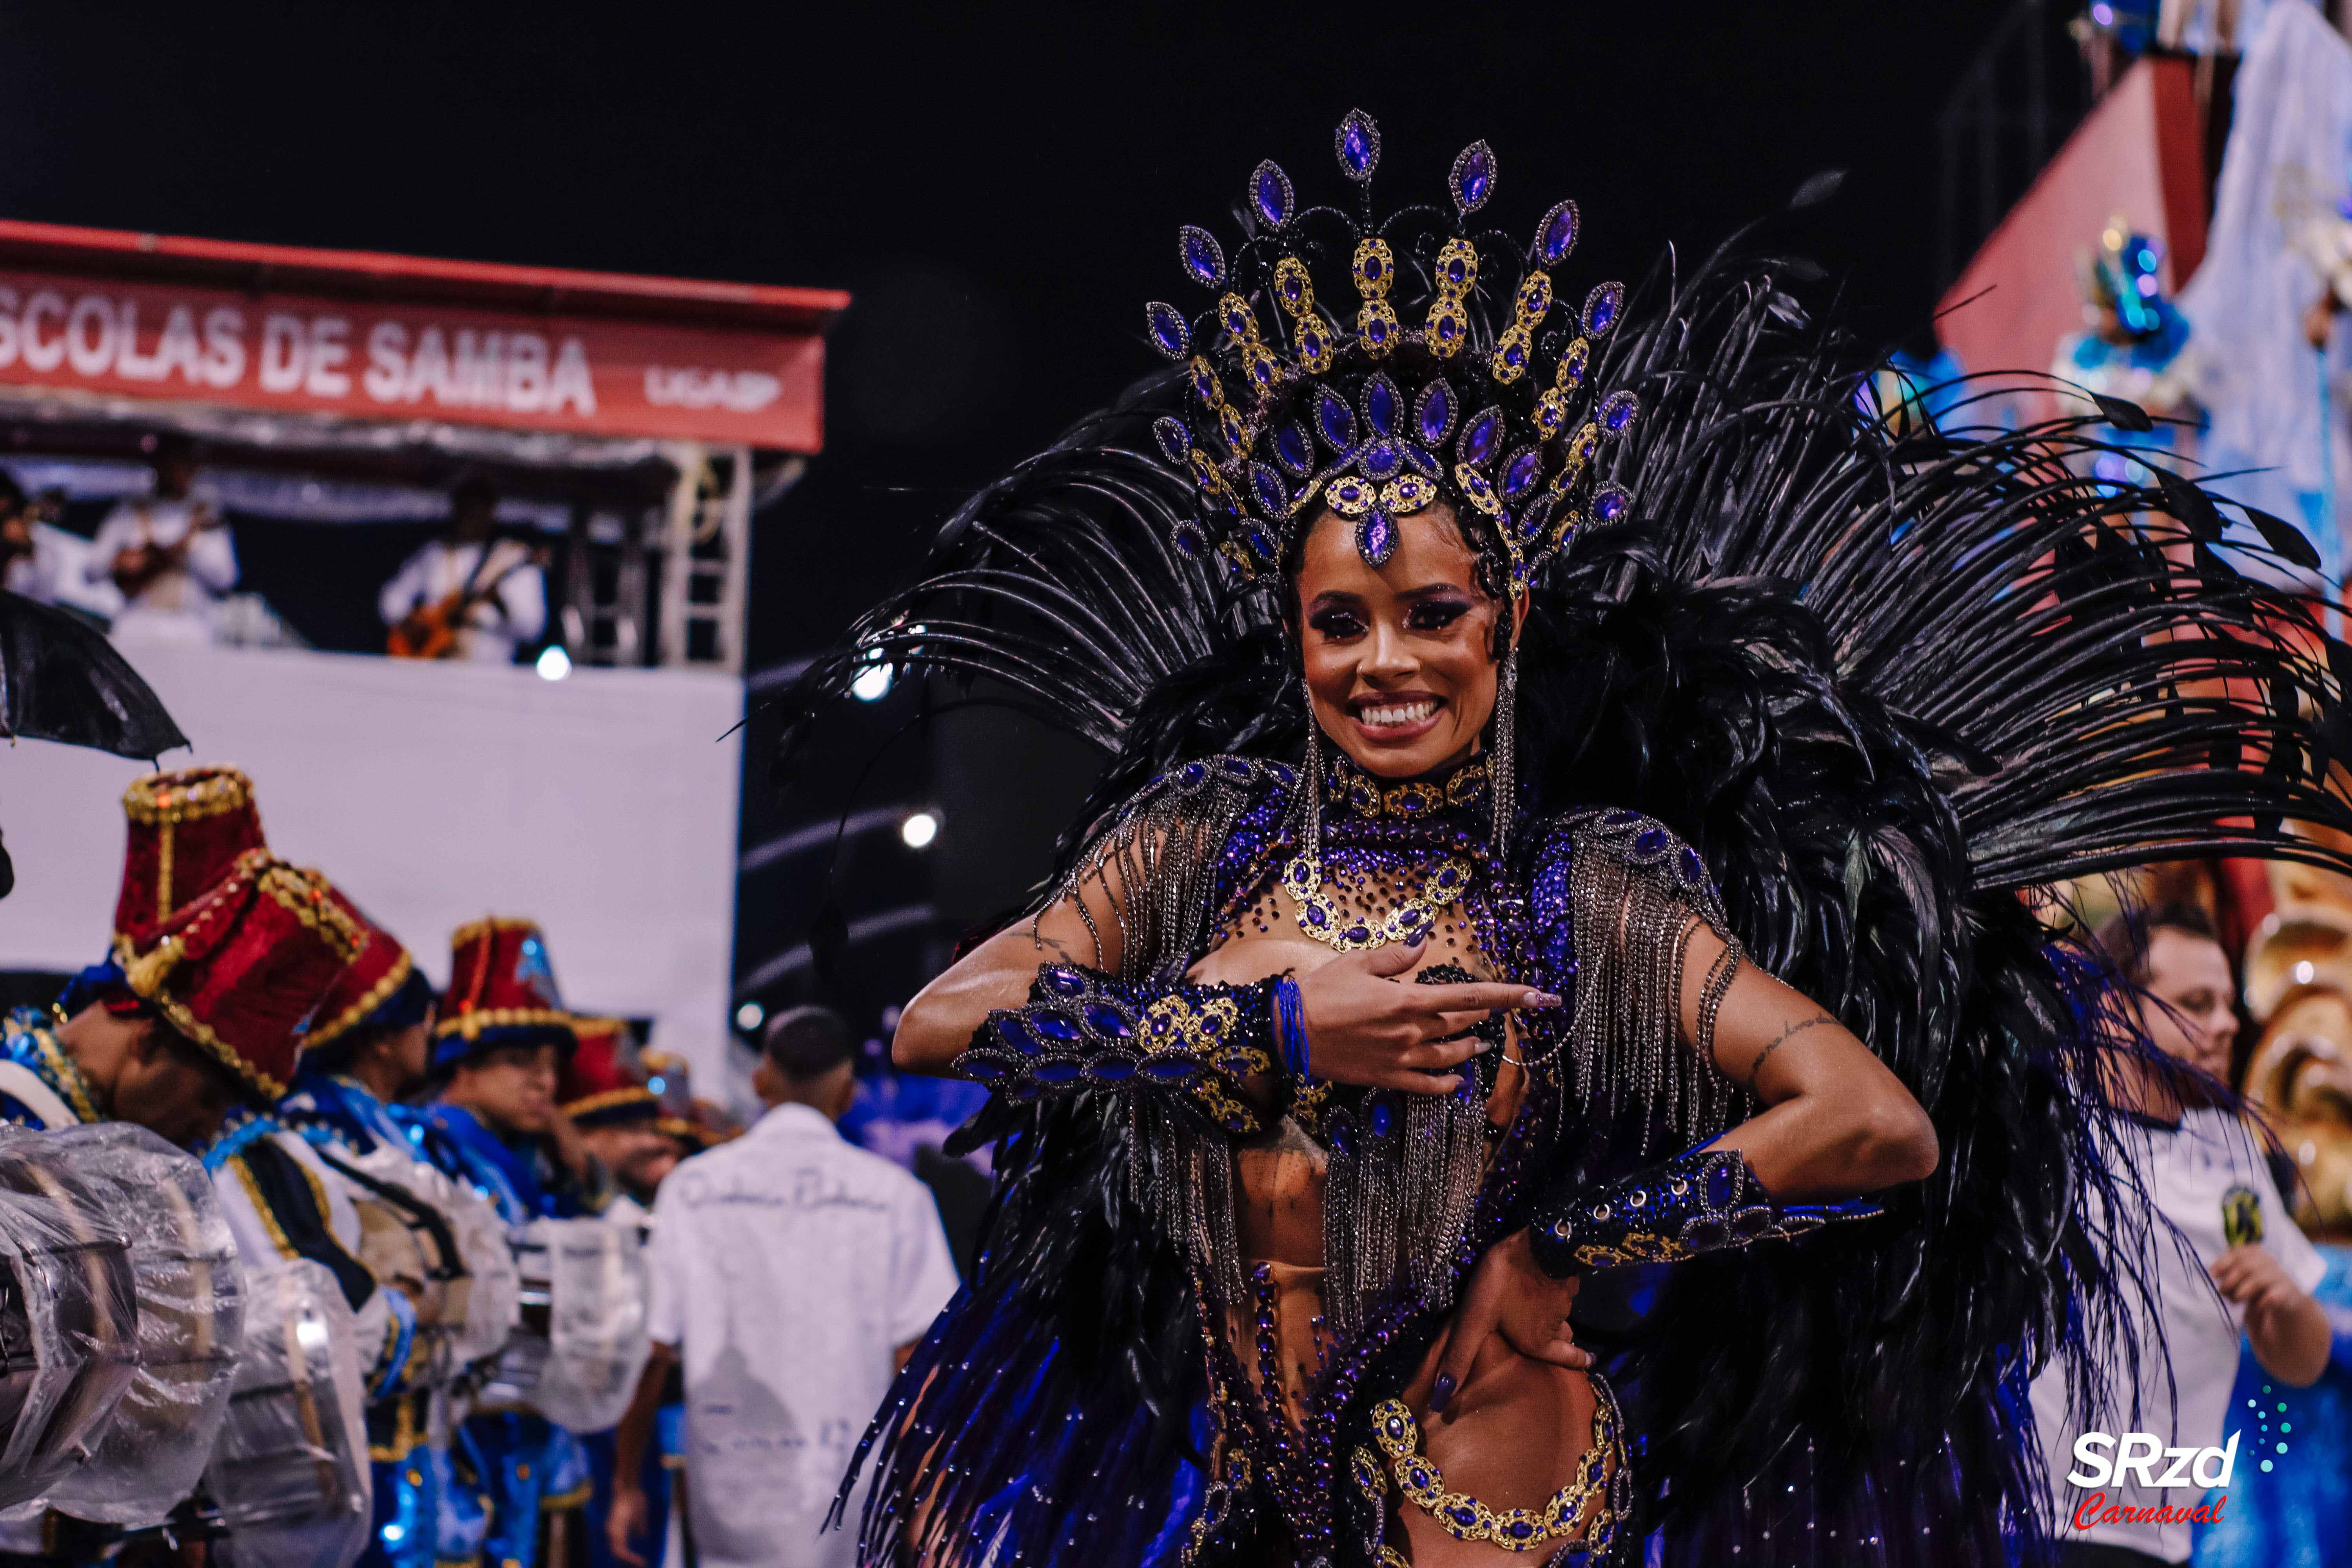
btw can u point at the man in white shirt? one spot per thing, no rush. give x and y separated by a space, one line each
471 596
794 1273
45 563
169 555
2238 1262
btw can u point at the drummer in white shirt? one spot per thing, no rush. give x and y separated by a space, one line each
471 596
168 553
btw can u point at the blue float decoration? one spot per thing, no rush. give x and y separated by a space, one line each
1203 258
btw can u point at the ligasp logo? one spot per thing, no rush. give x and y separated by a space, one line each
2101 1459
742 391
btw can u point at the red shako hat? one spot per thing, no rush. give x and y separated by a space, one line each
241 968
600 1086
501 992
366 983
186 829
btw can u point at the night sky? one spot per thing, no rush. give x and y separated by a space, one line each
999 187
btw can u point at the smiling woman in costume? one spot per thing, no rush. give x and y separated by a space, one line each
1518 713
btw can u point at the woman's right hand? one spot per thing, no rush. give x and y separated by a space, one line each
1365 1026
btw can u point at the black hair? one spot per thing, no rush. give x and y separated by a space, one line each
806 1043
2125 938
12 494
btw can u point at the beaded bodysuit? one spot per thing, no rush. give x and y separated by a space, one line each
1328 1236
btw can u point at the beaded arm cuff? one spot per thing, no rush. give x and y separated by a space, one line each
1086 1029
1704 1200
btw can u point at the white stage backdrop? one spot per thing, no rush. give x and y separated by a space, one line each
603 806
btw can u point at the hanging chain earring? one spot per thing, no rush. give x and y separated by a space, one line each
1502 772
1312 848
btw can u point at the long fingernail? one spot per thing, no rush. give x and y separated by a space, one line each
1482 1048
1442 1396
1542 999
1417 938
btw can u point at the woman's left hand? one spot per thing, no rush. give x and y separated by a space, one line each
1511 1296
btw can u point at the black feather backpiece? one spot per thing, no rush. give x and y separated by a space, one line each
1890 680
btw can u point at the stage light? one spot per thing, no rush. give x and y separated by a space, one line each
871 683
554 664
750 1016
2304 972
920 829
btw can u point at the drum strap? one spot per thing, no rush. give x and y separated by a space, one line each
419 1214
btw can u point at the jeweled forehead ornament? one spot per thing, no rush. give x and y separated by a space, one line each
1457 378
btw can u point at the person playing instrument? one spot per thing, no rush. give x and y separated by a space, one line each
470 595
497 1049
369 1046
169 554
1572 772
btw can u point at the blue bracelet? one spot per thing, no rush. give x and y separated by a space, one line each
1290 1029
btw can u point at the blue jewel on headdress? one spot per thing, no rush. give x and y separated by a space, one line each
1530 522
1379 401
1522 472
1381 460
1618 411
1273 496
1555 235
1513 355
1175 440
1376 537
1418 458
1480 437
1189 540
1433 412
1335 421
1261 545
1473 180
1169 334
1271 193
1292 450
1203 258
1611 503
1601 306
1358 143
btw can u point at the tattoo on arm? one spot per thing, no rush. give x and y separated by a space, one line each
1757 1066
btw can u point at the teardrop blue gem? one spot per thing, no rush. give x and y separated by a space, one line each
1169 334
1203 258
1436 412
1478 440
1474 176
1175 441
1611 503
1526 468
1270 187
1335 420
1359 145
1376 537
1380 406
1556 235
1290 449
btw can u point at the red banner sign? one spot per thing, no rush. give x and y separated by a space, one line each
394 361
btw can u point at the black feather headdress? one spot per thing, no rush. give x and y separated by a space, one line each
1891 679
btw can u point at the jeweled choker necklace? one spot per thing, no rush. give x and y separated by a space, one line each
1442 882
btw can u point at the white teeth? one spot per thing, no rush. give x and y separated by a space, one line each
1397 714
